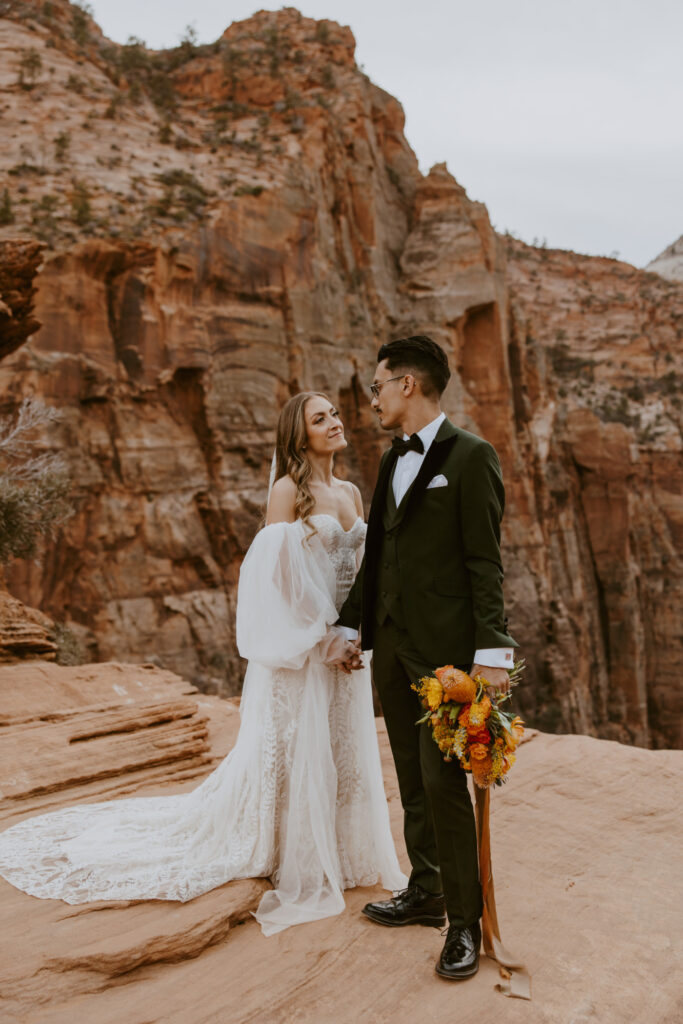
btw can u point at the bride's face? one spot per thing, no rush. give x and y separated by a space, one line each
324 428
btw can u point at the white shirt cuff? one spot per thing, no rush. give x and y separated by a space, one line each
349 633
495 657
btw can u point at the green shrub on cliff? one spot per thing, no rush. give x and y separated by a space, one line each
34 488
6 211
30 67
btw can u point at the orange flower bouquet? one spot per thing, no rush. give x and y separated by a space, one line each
468 722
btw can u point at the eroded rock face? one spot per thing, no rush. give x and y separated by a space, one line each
291 235
599 391
25 633
19 262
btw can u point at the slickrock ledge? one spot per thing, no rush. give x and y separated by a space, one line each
24 632
586 880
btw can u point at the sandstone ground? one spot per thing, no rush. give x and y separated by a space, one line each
586 853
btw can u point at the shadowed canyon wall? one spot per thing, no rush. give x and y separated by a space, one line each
258 225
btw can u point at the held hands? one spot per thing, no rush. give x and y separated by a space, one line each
353 660
497 677
337 650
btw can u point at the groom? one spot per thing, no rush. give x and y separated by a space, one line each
429 593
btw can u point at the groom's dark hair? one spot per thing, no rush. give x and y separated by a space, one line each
421 356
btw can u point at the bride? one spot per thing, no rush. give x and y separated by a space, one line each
300 798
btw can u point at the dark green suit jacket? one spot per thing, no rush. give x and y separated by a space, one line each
448 544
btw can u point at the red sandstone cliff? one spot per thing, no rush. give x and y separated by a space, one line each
260 227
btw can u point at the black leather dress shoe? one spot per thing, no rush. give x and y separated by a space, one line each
460 954
410 906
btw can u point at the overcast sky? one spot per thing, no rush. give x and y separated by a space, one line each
566 119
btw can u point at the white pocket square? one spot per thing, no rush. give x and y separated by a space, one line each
438 481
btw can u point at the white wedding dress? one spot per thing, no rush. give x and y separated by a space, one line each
299 799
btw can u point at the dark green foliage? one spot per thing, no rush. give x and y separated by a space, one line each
69 649
183 196
34 489
80 204
20 170
6 212
327 77
147 72
30 67
43 218
75 84
62 143
566 364
232 61
615 409
161 91
80 14
322 32
249 190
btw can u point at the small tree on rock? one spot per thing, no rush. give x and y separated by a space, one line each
34 488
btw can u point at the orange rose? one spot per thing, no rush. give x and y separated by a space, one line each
515 734
480 736
478 751
457 685
517 728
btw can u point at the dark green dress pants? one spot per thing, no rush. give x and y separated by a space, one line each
439 827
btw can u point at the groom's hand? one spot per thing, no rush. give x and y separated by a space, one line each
352 660
497 677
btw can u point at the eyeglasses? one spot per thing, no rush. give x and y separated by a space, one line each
376 388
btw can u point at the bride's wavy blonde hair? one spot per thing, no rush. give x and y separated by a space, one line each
290 451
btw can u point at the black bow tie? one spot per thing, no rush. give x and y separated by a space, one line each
413 444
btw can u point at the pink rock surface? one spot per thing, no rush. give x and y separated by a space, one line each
585 838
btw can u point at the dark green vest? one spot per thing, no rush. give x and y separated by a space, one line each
388 603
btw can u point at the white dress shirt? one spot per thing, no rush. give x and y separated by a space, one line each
407 468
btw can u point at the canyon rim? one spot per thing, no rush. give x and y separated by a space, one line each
224 225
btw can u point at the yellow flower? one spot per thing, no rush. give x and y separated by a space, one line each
434 693
479 712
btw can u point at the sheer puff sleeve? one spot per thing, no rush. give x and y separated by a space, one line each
286 598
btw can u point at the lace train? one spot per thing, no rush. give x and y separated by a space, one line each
300 797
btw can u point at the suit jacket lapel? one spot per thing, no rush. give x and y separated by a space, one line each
438 450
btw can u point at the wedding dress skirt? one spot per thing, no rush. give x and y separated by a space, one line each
299 799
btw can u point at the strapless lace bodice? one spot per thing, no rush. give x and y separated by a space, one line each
344 549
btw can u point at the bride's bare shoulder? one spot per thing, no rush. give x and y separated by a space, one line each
354 494
281 501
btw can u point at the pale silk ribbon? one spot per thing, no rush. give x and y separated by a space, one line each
516 980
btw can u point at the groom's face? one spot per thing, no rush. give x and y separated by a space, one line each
390 404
